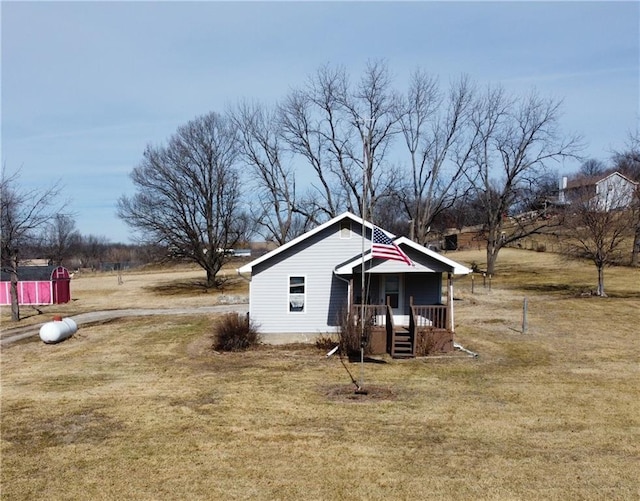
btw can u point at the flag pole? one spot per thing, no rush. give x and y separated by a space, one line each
365 169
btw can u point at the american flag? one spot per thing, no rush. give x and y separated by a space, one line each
383 247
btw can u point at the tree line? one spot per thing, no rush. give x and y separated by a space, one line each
414 160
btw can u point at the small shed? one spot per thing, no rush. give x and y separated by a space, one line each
37 285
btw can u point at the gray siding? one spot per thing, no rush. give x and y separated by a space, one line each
426 288
314 258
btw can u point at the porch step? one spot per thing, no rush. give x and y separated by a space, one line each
403 347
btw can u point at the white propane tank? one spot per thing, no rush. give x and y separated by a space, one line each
58 330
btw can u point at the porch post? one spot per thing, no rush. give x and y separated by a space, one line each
450 301
350 296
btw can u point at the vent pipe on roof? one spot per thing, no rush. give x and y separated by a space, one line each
562 188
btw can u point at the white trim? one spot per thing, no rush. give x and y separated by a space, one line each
347 269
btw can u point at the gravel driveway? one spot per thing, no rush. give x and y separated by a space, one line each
12 335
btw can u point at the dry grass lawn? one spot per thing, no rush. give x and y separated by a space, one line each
143 409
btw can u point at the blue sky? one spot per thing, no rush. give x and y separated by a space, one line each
87 85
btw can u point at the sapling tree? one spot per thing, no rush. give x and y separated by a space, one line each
596 228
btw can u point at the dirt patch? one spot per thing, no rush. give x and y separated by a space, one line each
88 426
348 394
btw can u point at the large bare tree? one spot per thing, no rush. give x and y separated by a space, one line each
342 131
188 194
23 214
60 238
275 206
517 138
436 130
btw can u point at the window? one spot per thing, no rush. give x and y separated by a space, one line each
345 229
296 294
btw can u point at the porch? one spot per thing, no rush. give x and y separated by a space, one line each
423 331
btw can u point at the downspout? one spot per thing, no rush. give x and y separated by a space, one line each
462 348
346 281
349 293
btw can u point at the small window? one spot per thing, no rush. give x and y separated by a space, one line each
296 294
345 229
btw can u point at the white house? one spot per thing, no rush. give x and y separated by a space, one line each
307 286
609 192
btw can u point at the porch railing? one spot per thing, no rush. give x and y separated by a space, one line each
378 320
375 315
429 316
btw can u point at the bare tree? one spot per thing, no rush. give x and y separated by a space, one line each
592 167
60 238
275 202
627 162
23 213
188 194
343 131
517 138
596 231
93 251
372 108
310 126
436 131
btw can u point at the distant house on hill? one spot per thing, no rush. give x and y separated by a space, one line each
607 192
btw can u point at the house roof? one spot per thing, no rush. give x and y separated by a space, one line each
347 268
583 182
442 263
346 215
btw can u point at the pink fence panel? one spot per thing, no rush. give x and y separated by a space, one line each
5 293
35 293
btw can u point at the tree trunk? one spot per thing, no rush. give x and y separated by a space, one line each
15 305
211 279
601 292
492 257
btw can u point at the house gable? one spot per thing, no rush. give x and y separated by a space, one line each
311 258
615 191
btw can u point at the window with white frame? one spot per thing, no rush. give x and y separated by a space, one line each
296 293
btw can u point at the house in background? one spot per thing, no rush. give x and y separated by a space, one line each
37 285
310 285
607 192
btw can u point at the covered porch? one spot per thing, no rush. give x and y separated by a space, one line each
406 309
402 328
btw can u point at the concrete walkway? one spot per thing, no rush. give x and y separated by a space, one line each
12 335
